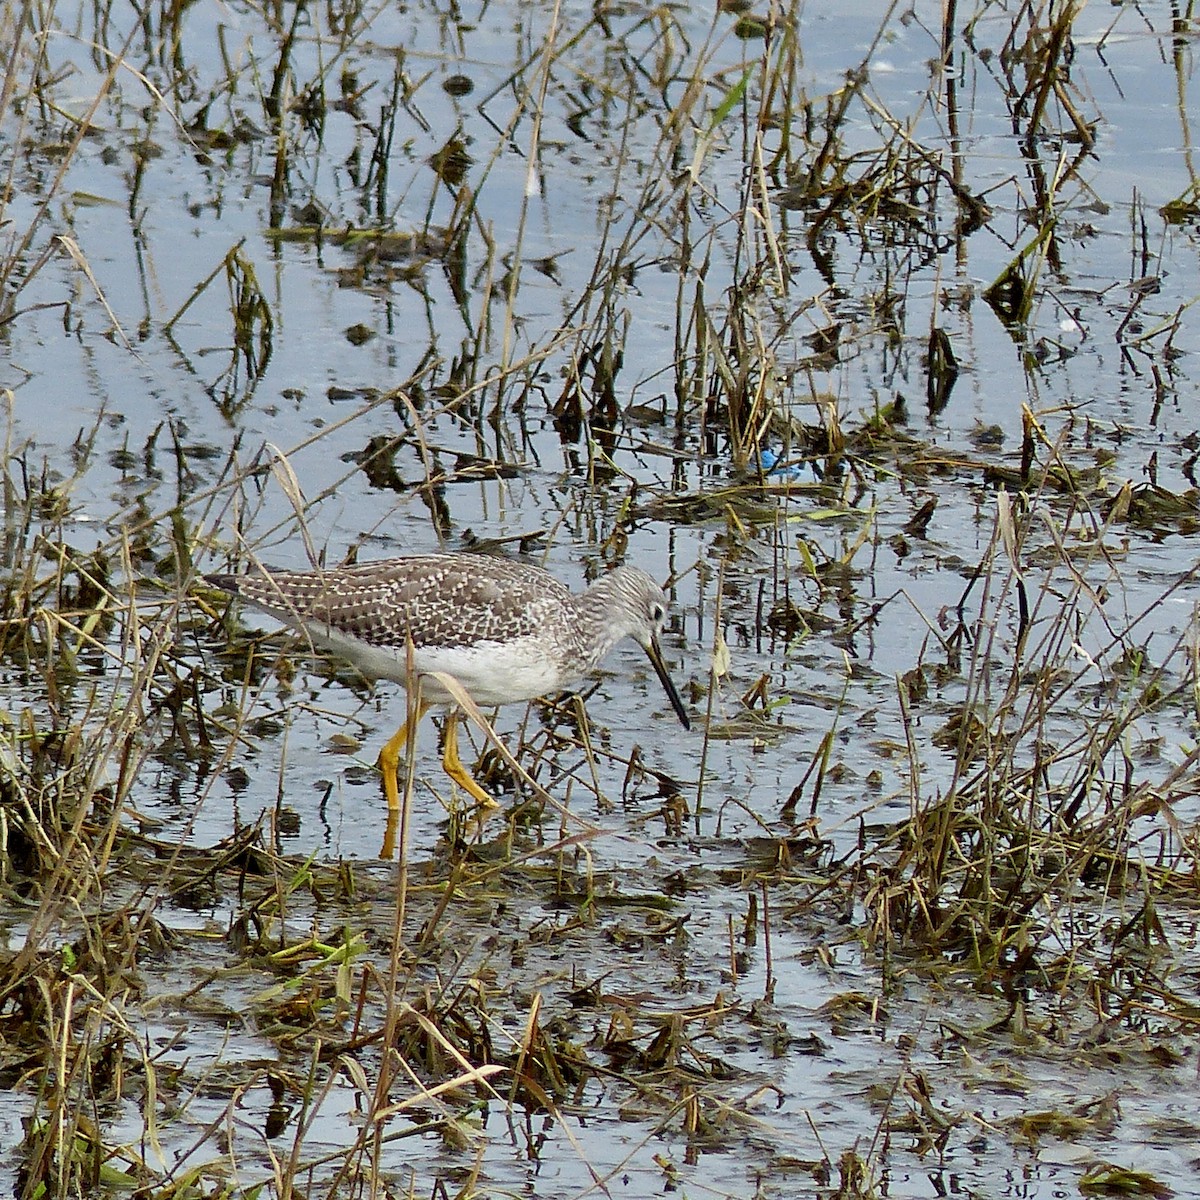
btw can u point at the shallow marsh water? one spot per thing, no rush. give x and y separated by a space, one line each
601 297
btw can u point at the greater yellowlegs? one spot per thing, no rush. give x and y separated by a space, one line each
504 630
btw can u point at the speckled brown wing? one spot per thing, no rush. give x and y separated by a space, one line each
430 598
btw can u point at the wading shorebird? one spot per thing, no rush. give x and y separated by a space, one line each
504 631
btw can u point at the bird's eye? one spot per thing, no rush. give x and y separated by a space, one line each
657 613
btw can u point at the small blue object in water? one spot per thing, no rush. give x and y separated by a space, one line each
771 464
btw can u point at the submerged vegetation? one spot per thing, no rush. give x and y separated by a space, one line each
868 334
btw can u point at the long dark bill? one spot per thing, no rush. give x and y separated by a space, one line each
654 654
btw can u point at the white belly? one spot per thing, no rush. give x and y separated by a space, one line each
490 672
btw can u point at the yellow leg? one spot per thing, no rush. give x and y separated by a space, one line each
453 767
388 850
389 758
